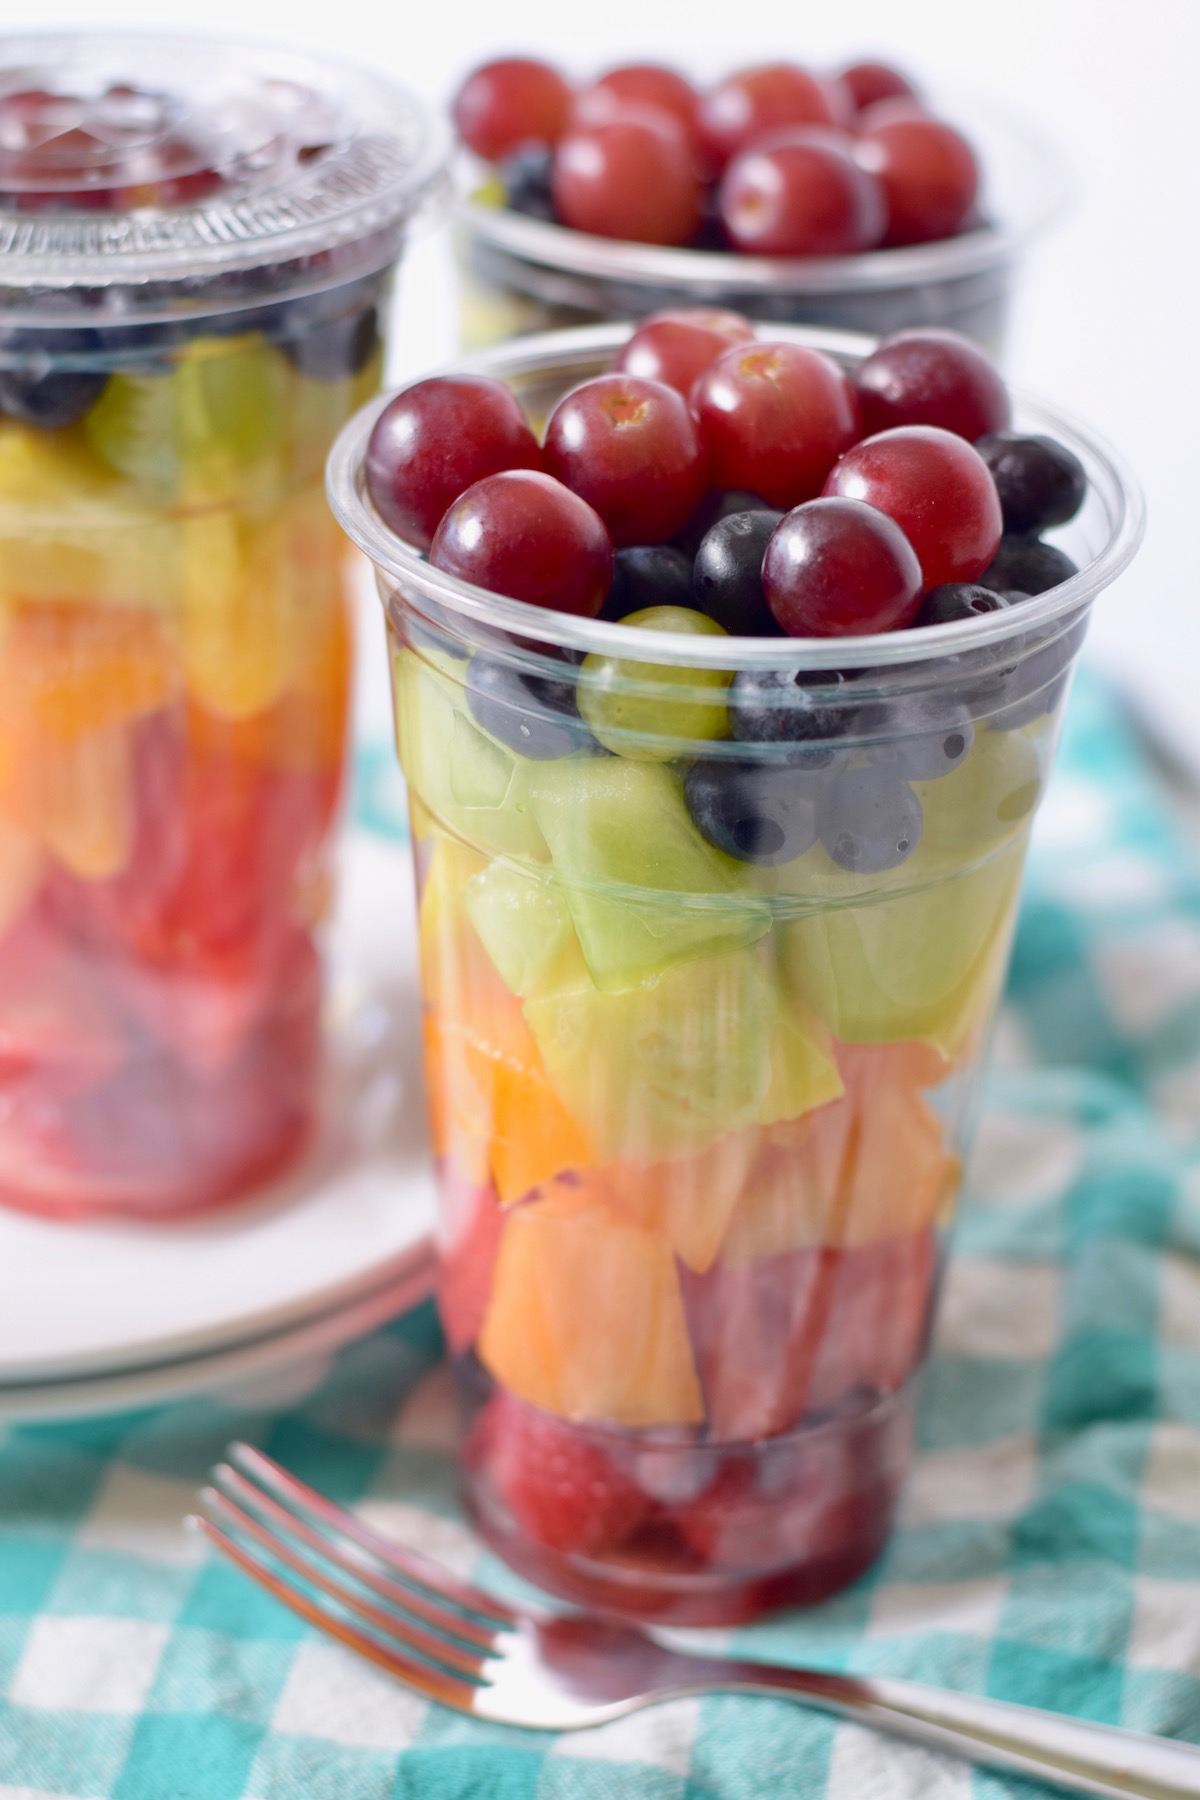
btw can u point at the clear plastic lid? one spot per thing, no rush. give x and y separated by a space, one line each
139 169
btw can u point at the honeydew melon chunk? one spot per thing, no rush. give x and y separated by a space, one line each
211 428
523 923
480 771
493 1106
921 965
710 1047
644 889
468 782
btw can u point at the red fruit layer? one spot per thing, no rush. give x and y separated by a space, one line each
781 1336
470 1223
159 1031
558 1484
788 1522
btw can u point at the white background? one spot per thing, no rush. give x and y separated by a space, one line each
1106 324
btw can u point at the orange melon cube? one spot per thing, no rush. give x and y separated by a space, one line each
586 1318
869 1166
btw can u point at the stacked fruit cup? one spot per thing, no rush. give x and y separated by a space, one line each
715 905
841 197
198 243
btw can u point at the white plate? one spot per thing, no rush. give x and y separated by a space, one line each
82 1300
271 1371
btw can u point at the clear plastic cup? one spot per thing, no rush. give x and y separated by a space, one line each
197 240
519 274
700 1118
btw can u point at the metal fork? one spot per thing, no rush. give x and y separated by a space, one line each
527 1666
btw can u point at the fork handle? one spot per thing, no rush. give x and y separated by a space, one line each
1083 1757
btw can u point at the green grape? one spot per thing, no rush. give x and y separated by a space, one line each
202 428
631 706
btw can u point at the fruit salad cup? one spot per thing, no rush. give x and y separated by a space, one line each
196 246
700 1113
521 269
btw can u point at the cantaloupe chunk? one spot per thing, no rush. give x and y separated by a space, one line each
67 669
79 799
871 1165
687 1200
586 1318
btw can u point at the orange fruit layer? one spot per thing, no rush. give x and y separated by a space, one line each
67 668
870 1166
586 1318
492 1104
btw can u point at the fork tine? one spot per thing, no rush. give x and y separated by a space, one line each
453 1658
436 1684
299 1498
454 1625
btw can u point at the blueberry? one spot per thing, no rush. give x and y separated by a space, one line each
870 819
335 348
727 573
957 600
1040 482
777 706
1027 566
647 575
51 400
533 714
1038 682
525 177
932 735
764 815
717 504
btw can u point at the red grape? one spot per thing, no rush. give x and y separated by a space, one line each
437 438
938 490
631 448
841 103
639 84
836 567
867 82
928 170
774 418
799 192
558 1483
677 346
516 100
524 534
632 175
927 377
754 101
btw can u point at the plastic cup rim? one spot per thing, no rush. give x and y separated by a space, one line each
556 248
548 352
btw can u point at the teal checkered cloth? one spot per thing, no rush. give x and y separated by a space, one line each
1049 1545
